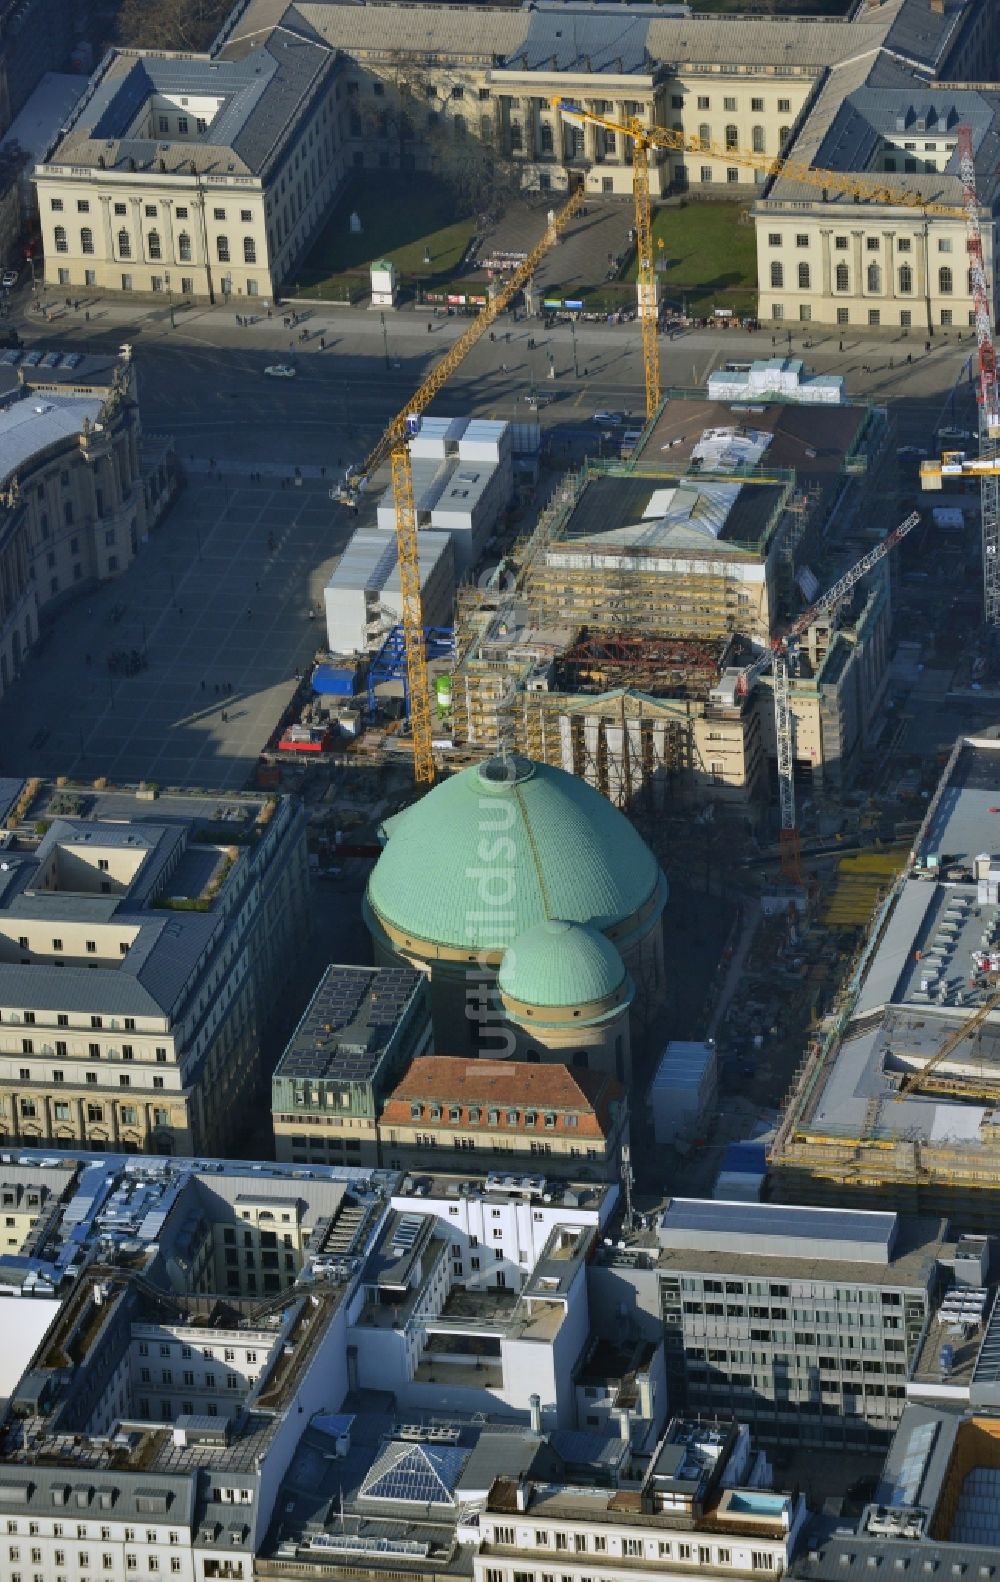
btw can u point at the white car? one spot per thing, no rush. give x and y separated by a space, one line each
280 371
612 418
9 279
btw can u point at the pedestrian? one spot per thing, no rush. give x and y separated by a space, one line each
237 318
216 689
927 346
429 326
256 587
508 337
890 362
269 312
503 368
909 357
249 613
180 609
203 686
841 346
225 717
322 343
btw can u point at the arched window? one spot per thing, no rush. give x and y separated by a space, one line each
184 247
60 236
905 279
460 128
86 240
705 135
249 250
777 275
124 245
486 130
222 248
153 243
757 136
784 133
804 277
843 278
874 278
732 137
945 281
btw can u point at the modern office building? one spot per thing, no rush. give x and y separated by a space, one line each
357 1036
804 1322
872 1112
141 947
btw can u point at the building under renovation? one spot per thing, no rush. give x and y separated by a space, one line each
894 1102
649 584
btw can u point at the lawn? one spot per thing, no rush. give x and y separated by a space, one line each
402 218
709 256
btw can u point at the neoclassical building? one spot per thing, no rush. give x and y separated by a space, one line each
208 176
533 908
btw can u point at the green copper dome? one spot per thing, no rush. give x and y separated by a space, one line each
558 963
504 845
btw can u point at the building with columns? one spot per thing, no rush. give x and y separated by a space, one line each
142 948
209 175
191 176
822 257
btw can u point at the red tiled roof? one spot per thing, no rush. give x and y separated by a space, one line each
513 1087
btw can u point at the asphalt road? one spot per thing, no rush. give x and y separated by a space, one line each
204 381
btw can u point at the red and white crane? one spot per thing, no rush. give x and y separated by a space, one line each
776 658
988 391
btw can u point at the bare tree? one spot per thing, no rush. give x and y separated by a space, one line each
170 24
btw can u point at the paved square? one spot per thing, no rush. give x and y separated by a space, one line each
211 605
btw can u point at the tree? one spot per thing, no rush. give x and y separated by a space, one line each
170 24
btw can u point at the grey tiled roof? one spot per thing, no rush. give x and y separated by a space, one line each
262 87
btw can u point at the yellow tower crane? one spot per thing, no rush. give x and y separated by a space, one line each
956 464
393 446
931 1080
643 138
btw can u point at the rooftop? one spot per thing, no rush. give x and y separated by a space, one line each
249 94
33 423
674 515
369 562
350 1023
483 1085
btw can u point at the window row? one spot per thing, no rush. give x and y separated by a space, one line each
873 278
154 245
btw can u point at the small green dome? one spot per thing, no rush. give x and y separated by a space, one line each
503 845
558 963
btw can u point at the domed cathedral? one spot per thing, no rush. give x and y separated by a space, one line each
533 907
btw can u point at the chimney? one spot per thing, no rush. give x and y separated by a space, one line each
535 1408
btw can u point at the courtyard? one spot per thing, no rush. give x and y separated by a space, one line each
212 607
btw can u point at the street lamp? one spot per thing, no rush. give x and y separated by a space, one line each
385 339
576 365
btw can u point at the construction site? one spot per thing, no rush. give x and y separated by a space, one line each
648 586
899 1095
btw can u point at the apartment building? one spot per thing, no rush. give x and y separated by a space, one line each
507 1115
357 1036
139 956
803 1321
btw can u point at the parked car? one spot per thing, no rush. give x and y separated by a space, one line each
614 418
280 371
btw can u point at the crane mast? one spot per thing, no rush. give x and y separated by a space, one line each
988 391
776 658
392 446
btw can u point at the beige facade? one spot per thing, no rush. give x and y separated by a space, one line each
147 1038
865 268
209 194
